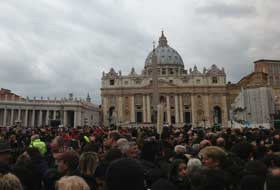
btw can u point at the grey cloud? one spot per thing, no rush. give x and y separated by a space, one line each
227 10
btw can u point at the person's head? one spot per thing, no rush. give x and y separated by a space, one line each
125 174
123 145
88 163
10 182
72 183
5 152
220 142
178 170
193 164
35 137
243 150
204 144
68 161
213 157
133 151
57 144
180 149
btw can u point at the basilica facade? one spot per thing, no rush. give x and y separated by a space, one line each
187 95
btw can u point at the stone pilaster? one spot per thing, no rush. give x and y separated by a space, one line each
193 107
144 109
132 116
181 109
148 109
177 110
168 110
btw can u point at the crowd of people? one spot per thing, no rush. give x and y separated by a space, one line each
96 158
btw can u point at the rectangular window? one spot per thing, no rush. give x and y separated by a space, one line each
214 80
112 82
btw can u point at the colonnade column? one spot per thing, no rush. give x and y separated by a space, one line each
26 118
148 109
181 110
144 109
132 116
47 117
54 114
12 117
168 110
19 115
40 117
65 118
5 118
33 118
176 110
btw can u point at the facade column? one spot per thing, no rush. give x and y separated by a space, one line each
132 114
54 114
181 110
105 111
206 111
120 110
12 117
193 109
148 109
168 110
40 118
144 109
47 117
176 110
65 118
5 118
224 112
26 118
33 118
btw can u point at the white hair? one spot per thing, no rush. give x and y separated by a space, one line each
179 149
193 164
123 145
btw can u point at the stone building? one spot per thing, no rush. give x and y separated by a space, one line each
44 112
187 95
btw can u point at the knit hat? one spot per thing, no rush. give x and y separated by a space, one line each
125 174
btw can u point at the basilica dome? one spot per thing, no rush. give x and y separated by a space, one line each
166 55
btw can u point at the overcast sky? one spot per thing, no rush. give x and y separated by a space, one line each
54 47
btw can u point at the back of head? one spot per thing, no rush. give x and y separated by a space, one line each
71 159
193 164
88 163
125 174
10 182
72 183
